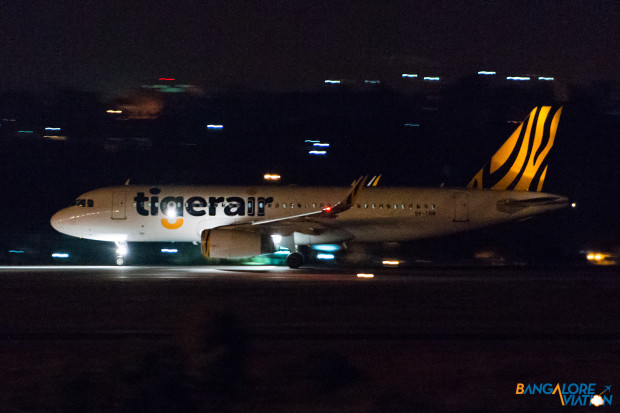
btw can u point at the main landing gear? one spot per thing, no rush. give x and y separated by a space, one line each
295 260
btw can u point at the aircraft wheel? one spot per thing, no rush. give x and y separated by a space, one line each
295 260
120 260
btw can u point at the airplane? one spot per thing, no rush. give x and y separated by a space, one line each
246 221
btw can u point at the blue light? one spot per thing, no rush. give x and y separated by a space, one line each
25 131
432 78
372 82
486 73
410 75
56 129
333 82
325 145
325 256
169 250
212 127
317 152
311 141
413 125
16 252
326 247
60 255
545 78
518 78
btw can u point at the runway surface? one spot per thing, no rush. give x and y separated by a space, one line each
273 339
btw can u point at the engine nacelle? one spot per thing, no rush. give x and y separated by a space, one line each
231 243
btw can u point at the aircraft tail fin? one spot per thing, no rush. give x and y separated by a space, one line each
521 163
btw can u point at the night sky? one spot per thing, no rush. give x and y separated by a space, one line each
283 45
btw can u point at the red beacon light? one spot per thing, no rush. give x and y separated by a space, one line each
327 209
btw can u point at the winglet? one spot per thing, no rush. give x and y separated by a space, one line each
521 163
348 200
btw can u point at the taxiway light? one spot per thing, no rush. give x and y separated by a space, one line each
518 78
323 145
545 78
486 73
16 252
390 262
410 75
215 127
317 152
432 78
365 275
55 129
332 82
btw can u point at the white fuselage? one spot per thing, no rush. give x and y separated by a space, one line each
378 214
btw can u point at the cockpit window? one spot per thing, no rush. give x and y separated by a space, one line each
84 203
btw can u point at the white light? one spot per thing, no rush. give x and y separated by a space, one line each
432 78
325 256
48 128
215 127
573 205
597 400
365 275
486 73
324 145
171 212
169 250
390 262
276 238
271 177
545 78
410 75
60 255
333 82
114 111
317 152
519 78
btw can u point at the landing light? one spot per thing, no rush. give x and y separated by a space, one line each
325 256
276 238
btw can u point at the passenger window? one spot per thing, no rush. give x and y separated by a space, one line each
277 205
283 205
365 205
298 205
90 203
373 205
410 206
380 206
313 205
81 203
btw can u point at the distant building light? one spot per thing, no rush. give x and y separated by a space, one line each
333 82
215 127
55 137
412 125
327 247
365 275
167 79
16 252
25 131
323 145
409 75
272 177
169 250
54 129
372 82
432 78
486 73
317 152
114 111
60 255
518 78
325 256
545 78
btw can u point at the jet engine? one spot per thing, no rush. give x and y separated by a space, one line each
232 243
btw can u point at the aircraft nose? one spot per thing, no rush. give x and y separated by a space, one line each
61 220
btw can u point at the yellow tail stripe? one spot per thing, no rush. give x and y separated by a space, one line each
531 168
516 167
504 152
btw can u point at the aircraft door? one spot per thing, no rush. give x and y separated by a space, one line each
461 211
119 205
